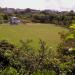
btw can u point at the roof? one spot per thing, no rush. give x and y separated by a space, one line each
13 17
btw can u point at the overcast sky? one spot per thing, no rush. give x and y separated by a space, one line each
39 4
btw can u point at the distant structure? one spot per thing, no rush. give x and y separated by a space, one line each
15 20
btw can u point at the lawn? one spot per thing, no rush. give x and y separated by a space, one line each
32 31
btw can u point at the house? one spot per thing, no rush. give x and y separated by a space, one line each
15 20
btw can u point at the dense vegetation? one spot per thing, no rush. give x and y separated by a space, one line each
46 16
23 60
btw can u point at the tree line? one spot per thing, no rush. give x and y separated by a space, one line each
63 18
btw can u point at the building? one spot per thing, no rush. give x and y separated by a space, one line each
15 20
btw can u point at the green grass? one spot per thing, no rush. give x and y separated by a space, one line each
46 32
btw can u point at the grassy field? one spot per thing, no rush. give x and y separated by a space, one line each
46 32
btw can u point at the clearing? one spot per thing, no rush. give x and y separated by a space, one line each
32 31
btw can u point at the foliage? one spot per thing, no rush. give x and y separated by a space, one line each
24 60
9 71
66 52
44 16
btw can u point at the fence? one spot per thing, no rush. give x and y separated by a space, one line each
4 21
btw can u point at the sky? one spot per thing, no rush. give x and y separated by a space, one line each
59 5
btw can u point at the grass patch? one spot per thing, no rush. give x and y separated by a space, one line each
32 31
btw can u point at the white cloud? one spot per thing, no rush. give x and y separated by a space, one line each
36 4
40 4
61 4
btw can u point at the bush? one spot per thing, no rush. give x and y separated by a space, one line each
9 71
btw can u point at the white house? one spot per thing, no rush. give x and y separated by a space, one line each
15 20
